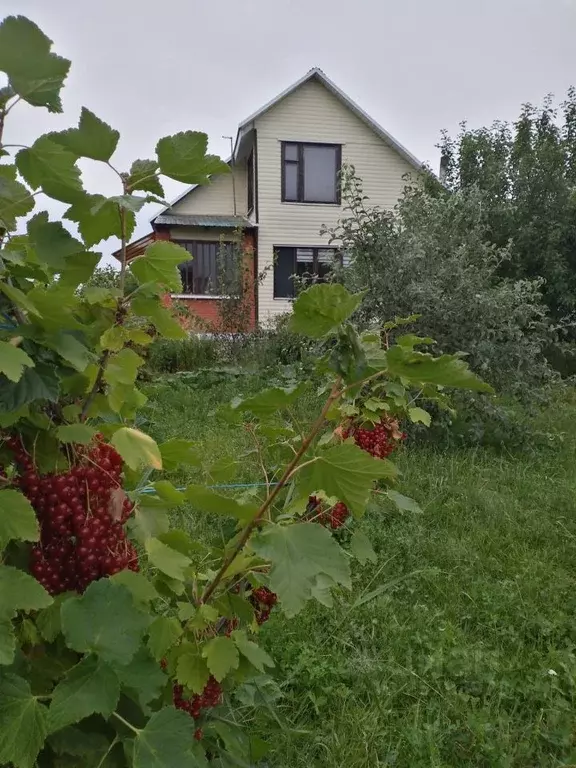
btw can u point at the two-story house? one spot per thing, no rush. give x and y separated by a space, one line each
283 187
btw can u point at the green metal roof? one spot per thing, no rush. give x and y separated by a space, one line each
198 220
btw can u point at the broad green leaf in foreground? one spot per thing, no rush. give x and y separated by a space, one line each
159 316
93 138
36 74
7 641
72 350
256 656
15 201
166 741
143 176
166 559
322 308
183 157
136 448
299 553
98 218
52 243
176 451
143 676
163 633
17 518
160 265
75 433
38 383
20 591
123 368
347 473
221 656
404 503
445 371
361 548
270 400
141 589
105 621
48 165
209 501
192 670
22 723
419 415
91 686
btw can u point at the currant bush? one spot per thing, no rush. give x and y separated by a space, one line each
331 517
379 440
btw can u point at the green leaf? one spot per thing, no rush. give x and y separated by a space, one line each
98 218
269 401
7 642
90 687
176 451
143 676
22 723
221 656
39 383
233 606
129 202
256 656
79 268
209 501
51 241
49 620
192 671
51 167
104 621
141 589
361 548
93 138
347 473
123 367
166 741
410 340
19 298
160 265
299 553
223 470
322 308
160 317
419 415
163 633
35 74
72 350
17 519
183 157
13 360
20 592
90 746
404 503
75 433
136 448
167 492
143 176
149 521
15 201
168 560
445 371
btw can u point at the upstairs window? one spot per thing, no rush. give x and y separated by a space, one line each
210 263
310 172
296 267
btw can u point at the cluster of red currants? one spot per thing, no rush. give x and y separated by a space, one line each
210 697
81 514
330 517
380 440
263 600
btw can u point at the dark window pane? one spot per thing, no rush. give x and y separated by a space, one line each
320 174
199 276
290 181
283 271
291 152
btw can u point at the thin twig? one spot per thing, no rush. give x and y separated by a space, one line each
126 723
246 533
252 433
96 386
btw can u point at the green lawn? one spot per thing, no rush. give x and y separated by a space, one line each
467 655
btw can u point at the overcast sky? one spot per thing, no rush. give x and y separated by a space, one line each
416 66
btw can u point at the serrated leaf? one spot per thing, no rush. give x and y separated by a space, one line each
345 472
72 350
322 308
7 642
52 243
221 656
176 451
20 591
136 448
445 371
223 470
256 656
192 670
19 298
13 360
35 74
79 269
361 548
22 723
168 560
104 621
75 433
93 138
231 605
143 676
183 157
163 633
404 503
15 201
419 415
73 741
143 176
141 589
36 384
160 317
159 265
129 202
122 368
98 218
52 168
166 741
269 401
149 521
90 687
167 492
299 553
17 518
49 620
210 501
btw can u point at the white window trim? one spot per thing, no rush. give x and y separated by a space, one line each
195 296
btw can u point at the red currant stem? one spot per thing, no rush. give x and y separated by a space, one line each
110 748
126 723
335 394
361 382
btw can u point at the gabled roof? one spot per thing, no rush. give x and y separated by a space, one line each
318 75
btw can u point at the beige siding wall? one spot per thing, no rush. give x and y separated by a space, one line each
312 113
200 233
216 197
